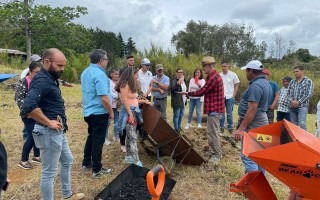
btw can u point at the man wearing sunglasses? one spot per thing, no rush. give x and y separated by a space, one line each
145 78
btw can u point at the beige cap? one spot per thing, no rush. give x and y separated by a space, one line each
159 66
208 60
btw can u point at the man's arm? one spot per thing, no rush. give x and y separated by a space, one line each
236 87
251 112
275 101
38 116
107 105
308 93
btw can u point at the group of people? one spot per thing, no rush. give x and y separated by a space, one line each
117 97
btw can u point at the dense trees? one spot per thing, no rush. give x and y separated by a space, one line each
44 27
228 41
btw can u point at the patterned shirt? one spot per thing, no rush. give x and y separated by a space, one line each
283 102
301 92
214 94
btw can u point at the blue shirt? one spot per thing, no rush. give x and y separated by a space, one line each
275 90
94 83
259 91
44 93
164 80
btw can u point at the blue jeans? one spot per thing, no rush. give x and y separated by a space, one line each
54 148
298 116
198 104
260 119
229 108
177 118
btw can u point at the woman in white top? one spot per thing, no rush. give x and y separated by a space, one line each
195 84
114 76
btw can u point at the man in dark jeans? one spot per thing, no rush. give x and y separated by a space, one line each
97 109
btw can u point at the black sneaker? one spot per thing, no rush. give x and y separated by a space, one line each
101 173
86 168
36 161
26 165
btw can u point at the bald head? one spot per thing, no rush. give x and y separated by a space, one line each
54 61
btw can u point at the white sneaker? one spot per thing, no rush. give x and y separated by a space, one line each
188 126
123 149
199 126
107 142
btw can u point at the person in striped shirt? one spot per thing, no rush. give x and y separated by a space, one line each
300 92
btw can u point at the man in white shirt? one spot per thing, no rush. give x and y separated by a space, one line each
231 85
145 78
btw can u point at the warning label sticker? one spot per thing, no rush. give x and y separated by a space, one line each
264 138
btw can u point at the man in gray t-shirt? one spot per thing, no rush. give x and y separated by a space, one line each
253 106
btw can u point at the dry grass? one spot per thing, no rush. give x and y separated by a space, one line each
193 182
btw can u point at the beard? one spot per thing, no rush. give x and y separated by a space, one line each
56 75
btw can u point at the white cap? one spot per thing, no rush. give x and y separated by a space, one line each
24 73
35 58
145 61
253 64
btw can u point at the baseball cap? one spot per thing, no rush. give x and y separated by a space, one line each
207 60
287 78
265 71
253 64
145 61
159 66
35 58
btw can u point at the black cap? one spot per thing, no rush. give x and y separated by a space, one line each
287 78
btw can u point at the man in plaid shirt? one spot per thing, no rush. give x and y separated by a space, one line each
214 105
300 92
283 102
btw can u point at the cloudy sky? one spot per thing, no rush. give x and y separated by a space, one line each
157 20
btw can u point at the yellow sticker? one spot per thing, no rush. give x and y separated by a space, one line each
264 138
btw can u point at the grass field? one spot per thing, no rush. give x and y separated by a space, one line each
193 182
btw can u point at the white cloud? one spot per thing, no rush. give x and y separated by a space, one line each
157 20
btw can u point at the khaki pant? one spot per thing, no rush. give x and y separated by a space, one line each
212 134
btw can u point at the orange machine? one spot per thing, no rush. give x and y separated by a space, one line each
289 153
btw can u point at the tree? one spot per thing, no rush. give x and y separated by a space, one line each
193 39
304 55
42 25
280 46
107 41
122 46
231 41
130 47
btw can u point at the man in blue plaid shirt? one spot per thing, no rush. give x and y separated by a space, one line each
283 102
300 92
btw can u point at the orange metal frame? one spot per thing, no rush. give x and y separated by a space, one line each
289 153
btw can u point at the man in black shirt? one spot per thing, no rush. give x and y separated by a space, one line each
45 105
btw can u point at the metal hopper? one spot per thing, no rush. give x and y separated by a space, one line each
289 153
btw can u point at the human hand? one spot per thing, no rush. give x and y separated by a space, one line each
154 81
147 102
111 115
162 91
294 104
55 125
238 134
131 119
